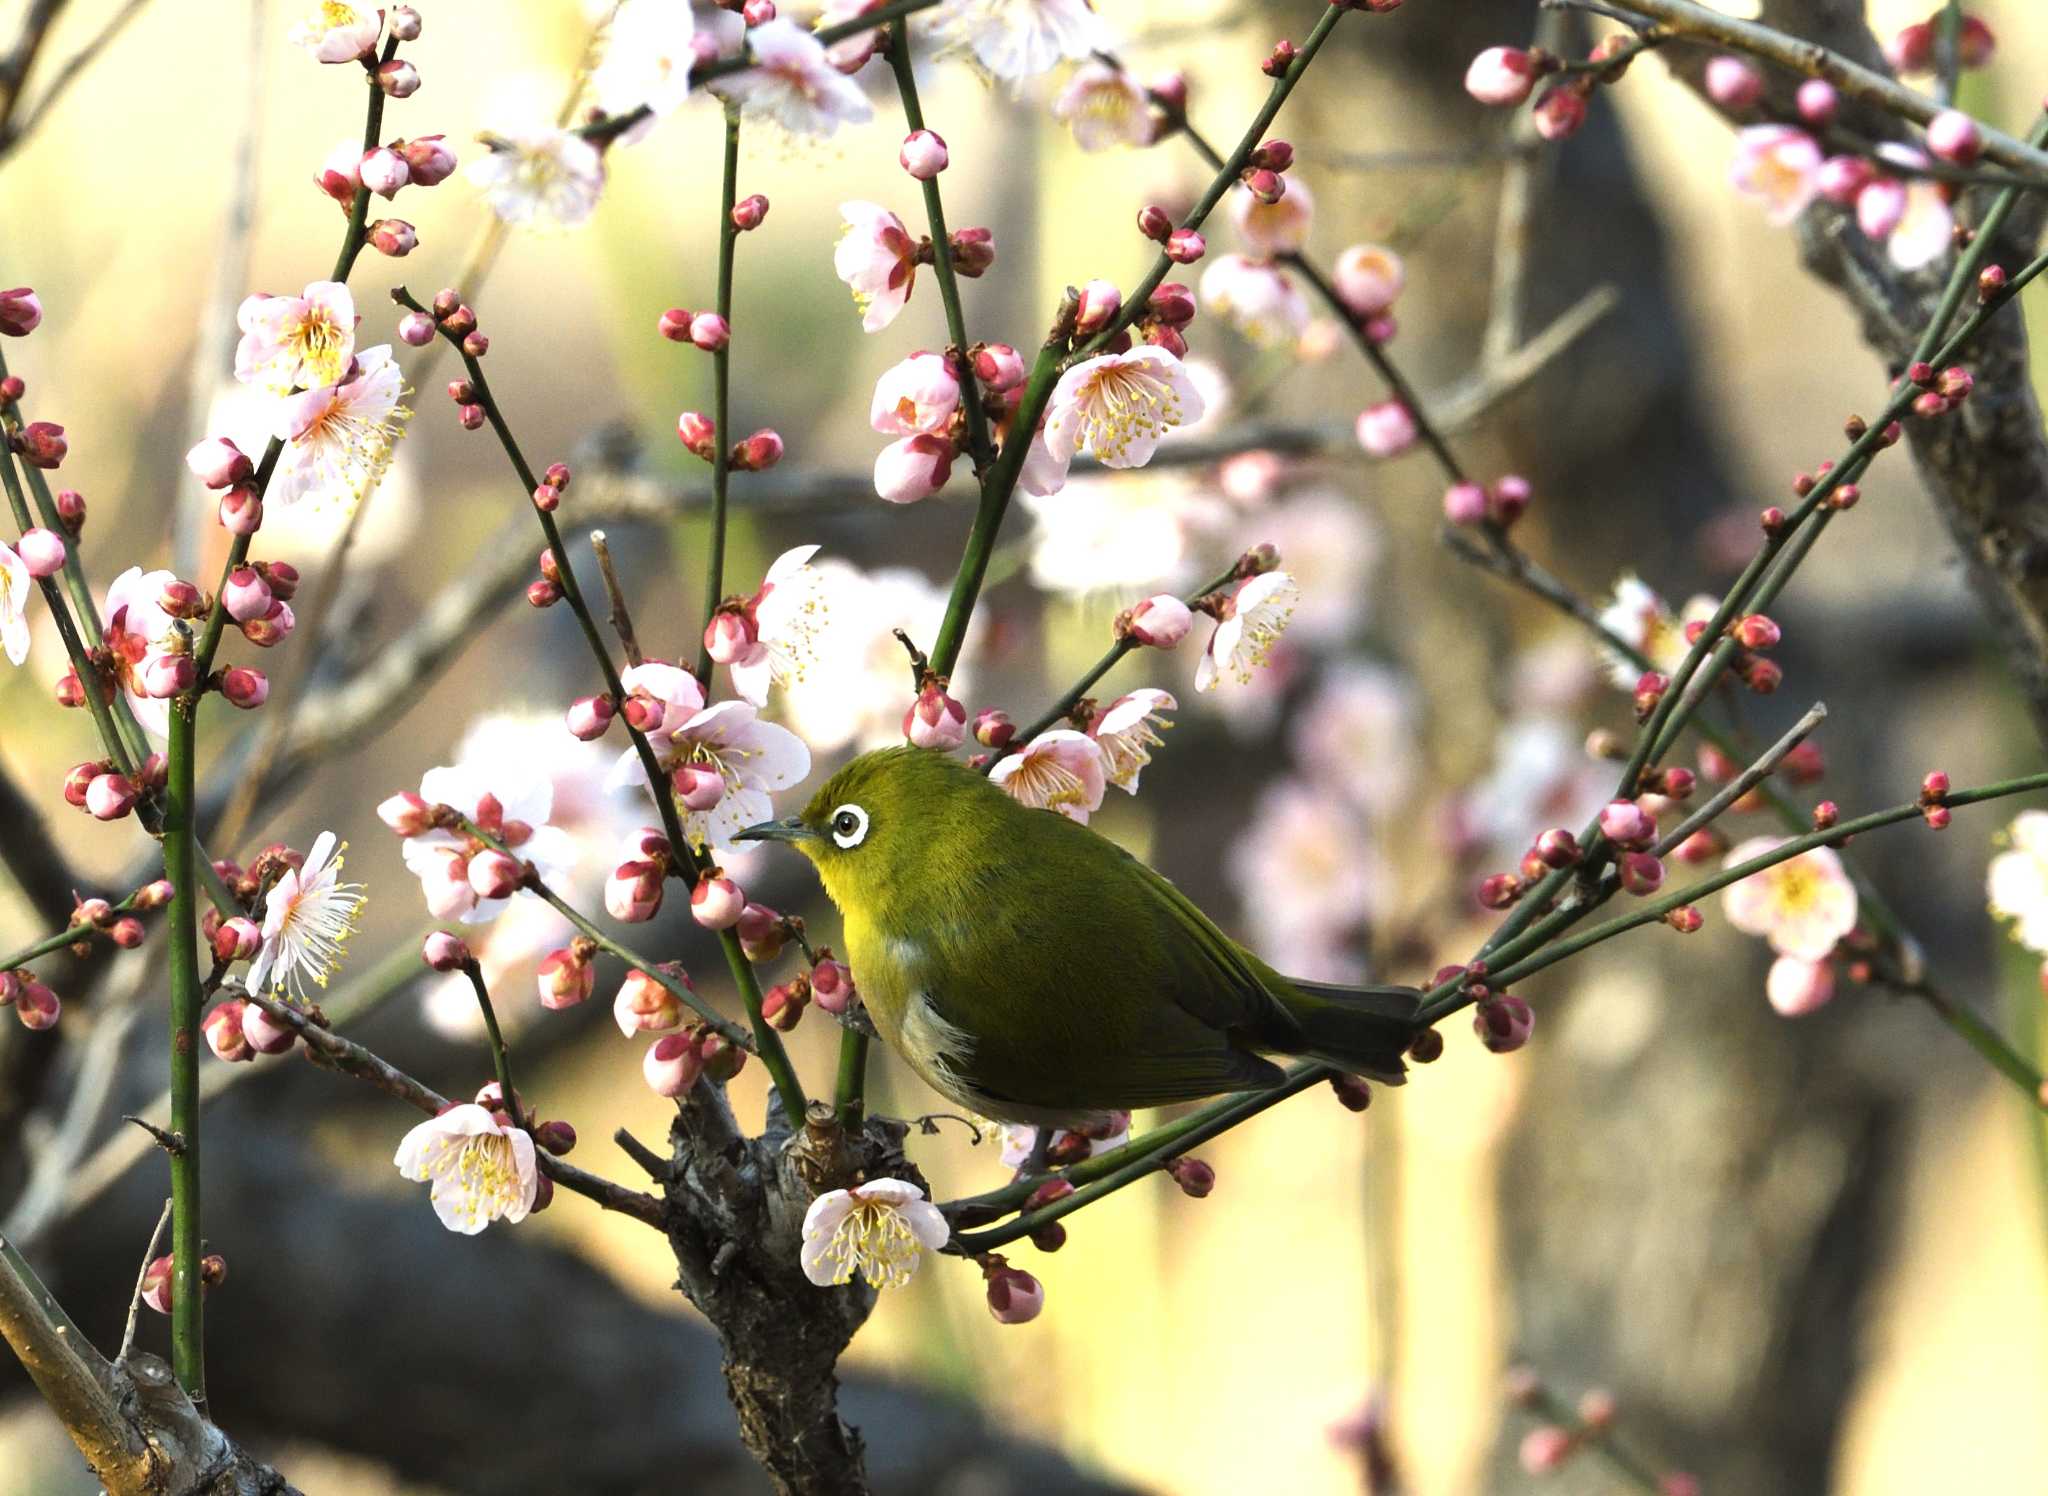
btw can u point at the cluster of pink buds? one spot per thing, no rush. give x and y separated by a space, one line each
1163 323
34 1004
105 793
632 894
221 465
1505 77
1183 246
1933 793
675 1061
1498 504
97 917
1940 392
705 330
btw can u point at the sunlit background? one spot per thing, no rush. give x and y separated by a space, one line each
1223 1345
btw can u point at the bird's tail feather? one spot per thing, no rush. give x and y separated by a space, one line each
1365 1030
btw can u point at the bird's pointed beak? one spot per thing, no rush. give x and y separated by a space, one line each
791 829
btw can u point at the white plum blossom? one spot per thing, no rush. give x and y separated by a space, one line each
307 919
880 1230
877 258
137 626
852 693
1060 770
507 798
1253 619
339 438
1926 227
1018 39
1127 732
2017 881
481 1169
337 33
1255 298
1541 777
541 172
296 342
1309 874
1639 615
15 587
647 58
918 395
753 758
1801 906
789 612
1104 108
794 83
1275 228
1117 406
1098 534
1357 736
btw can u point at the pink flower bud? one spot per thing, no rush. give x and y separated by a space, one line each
154 895
406 813
1641 874
759 452
110 796
1465 503
716 902
266 1035
71 506
1627 824
1501 76
1503 1023
564 979
42 445
1955 137
999 366
748 212
1881 207
494 875
1557 847
1559 112
241 510
923 155
384 171
398 78
1955 383
698 433
181 599
21 312
543 593
219 463
1841 179
245 594
37 1006
913 468
1014 1296
1546 1448
1934 786
832 986
697 786
92 913
1796 987
1195 1178
1508 499
674 324
282 576
672 1065
1498 890
79 780
730 636
271 626
237 939
223 1030
709 331
244 687
1817 102
589 717
974 251
1155 223
126 932
1160 622
444 951
394 237
475 344
1100 302
405 23
428 161
1386 429
166 675
935 720
41 551
1266 185
761 932
643 1004
1734 84
416 329
632 894
1186 246
1757 632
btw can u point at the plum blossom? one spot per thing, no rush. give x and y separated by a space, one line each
15 588
647 59
1795 986
1117 534
1253 619
1639 615
787 613
481 1168
877 258
1309 873
1060 770
1925 227
1018 39
1255 298
296 342
1127 731
1357 736
880 1230
1020 1138
1276 228
338 33
853 692
1541 776
540 172
751 757
2017 881
1333 547
138 627
794 83
307 919
339 438
1779 166
508 799
916 396
1801 906
1104 108
1117 407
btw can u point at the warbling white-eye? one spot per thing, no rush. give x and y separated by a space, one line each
1034 971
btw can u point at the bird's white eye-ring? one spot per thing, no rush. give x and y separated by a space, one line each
849 825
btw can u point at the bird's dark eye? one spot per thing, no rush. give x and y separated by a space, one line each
849 825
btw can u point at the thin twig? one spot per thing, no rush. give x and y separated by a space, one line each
156 1238
12 134
621 619
1744 782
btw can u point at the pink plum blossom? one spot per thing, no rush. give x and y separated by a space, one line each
1256 298
138 627
1104 108
296 342
1779 166
918 395
308 917
649 51
913 469
793 82
1802 907
786 613
753 757
1019 39
1254 618
339 438
1116 407
1796 986
1060 770
1277 228
1127 731
508 799
15 589
877 258
337 32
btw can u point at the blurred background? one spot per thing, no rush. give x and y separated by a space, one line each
1804 1255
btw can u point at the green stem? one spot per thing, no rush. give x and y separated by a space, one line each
850 1094
70 935
238 553
359 210
721 401
188 1355
501 1057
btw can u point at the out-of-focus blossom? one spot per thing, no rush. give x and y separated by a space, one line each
647 58
1639 615
507 799
1357 736
852 692
1114 534
1541 776
1104 108
1386 429
540 172
1801 906
1779 166
794 83
880 1230
1795 986
2017 881
1254 618
1369 279
1256 298
1275 228
15 589
1332 546
481 1169
877 258
1925 228
338 33
339 438
1127 730
1117 406
296 342
1018 39
308 917
1308 874
1060 770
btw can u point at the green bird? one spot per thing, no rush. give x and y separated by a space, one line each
1033 971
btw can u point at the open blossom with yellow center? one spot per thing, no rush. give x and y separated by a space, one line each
308 917
540 173
1637 614
1060 770
1116 408
1104 108
1126 732
1802 906
1018 39
296 342
338 33
1253 620
879 1230
480 1169
339 438
794 83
